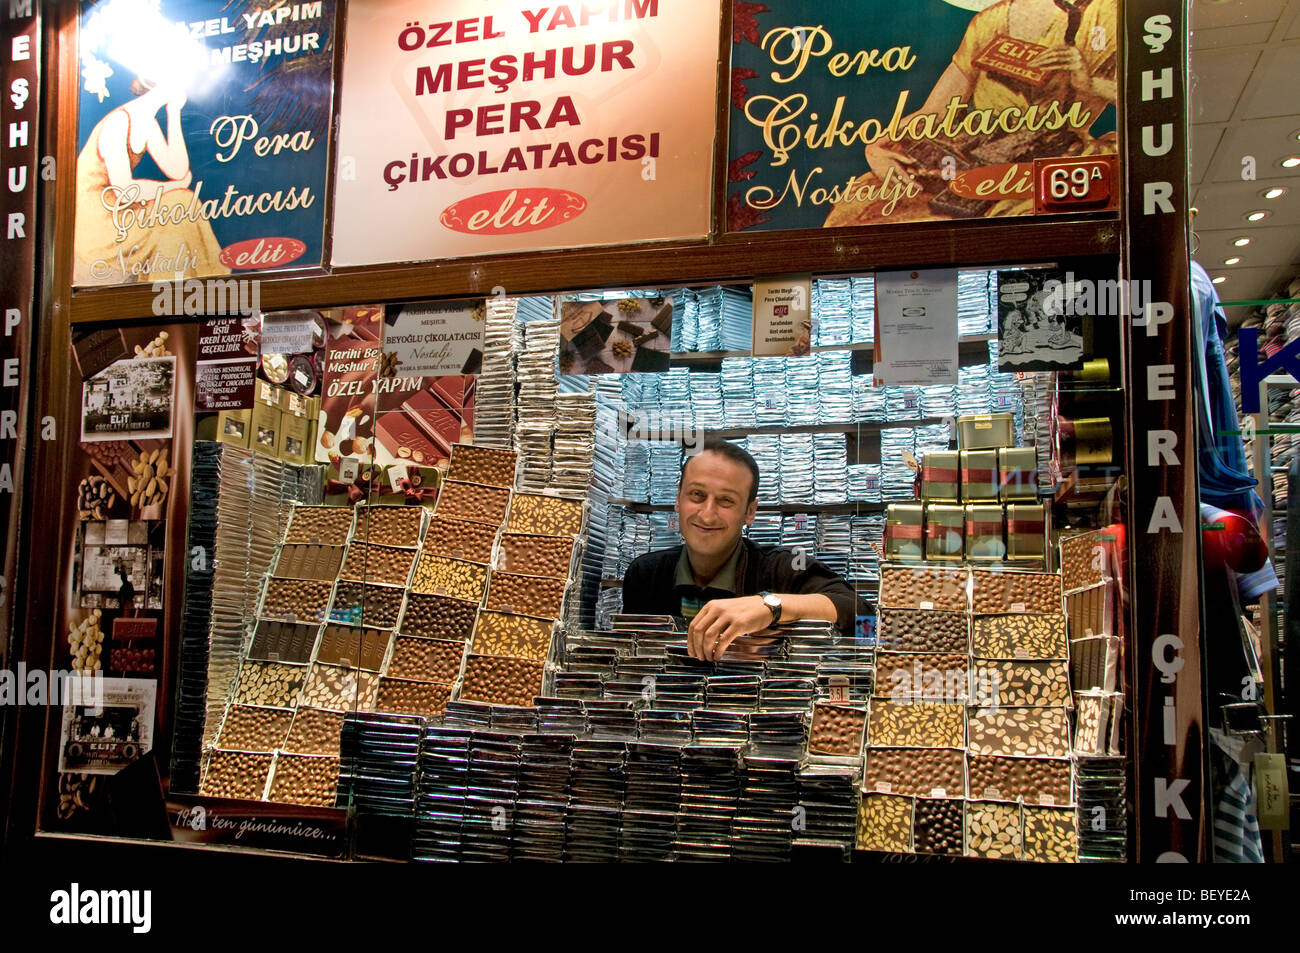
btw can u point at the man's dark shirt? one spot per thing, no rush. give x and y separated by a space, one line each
651 585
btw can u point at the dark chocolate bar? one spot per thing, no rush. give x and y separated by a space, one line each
597 366
649 360
642 340
631 329
663 321
474 363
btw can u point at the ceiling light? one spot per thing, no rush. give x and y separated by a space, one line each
1219 279
1275 193
1231 261
1291 162
1256 216
1195 210
1242 242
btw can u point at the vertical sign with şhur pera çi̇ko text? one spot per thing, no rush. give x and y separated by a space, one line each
20 96
469 128
203 138
932 110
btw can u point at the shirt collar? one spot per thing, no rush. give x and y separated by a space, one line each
724 580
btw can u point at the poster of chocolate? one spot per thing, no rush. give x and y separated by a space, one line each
224 372
1040 321
130 400
933 110
470 128
617 336
421 417
434 339
351 370
204 137
107 727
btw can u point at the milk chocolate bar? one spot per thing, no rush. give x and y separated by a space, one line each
663 321
404 441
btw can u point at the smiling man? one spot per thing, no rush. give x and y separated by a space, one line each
723 584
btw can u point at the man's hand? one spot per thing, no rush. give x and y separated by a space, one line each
722 621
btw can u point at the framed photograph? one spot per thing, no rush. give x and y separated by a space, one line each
130 400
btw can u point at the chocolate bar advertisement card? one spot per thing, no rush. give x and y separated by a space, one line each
352 357
420 418
934 110
619 336
434 340
1040 321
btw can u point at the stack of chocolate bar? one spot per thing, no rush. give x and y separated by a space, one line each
536 405
495 413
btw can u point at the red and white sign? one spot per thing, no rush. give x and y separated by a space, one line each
467 132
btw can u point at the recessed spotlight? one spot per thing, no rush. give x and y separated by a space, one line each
1291 162
1220 279
1195 210
1274 193
1231 261
1242 242
1256 216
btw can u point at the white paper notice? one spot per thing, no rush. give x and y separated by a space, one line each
916 320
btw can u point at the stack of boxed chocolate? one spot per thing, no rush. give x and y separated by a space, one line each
979 504
282 424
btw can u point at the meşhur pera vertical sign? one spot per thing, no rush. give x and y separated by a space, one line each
203 138
469 128
870 112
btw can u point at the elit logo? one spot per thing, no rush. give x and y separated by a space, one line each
77 906
1253 372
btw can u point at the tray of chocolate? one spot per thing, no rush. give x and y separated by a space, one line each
1019 637
919 675
885 823
1084 560
938 826
336 688
309 780
271 684
533 595
919 587
923 630
1050 835
471 464
320 525
359 603
294 600
460 539
1024 684
353 647
508 633
389 525
475 502
537 555
367 562
253 728
315 731
1033 780
837 730
236 774
457 578
1011 591
429 422
993 830
438 617
544 515
501 680
404 696
922 772
909 724
283 641
436 660
309 561
1019 732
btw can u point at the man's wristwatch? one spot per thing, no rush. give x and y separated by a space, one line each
773 602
